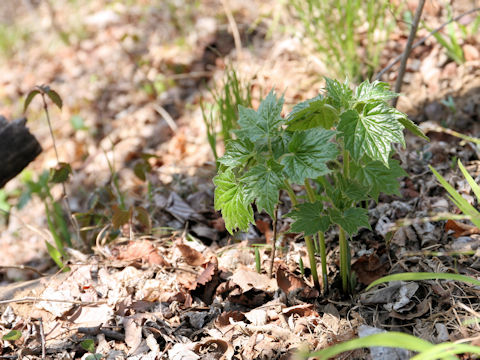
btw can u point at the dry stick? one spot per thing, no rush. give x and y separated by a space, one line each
233 25
64 188
42 337
274 241
408 49
421 41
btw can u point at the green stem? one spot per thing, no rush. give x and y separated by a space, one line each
346 164
344 260
291 193
323 257
313 262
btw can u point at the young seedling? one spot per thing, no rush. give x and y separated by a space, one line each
338 146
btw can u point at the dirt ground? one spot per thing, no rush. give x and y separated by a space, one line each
173 284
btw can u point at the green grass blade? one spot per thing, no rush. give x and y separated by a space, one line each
391 339
459 201
446 351
471 182
418 276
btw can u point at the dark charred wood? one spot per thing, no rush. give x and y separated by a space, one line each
18 147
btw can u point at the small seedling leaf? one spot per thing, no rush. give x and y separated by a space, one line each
12 335
60 173
120 217
309 152
230 198
53 95
309 219
143 218
88 345
29 99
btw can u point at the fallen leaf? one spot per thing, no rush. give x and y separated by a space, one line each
141 250
460 229
192 257
370 268
292 284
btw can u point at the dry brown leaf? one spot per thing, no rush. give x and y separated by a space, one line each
192 257
265 229
369 268
461 229
141 250
291 283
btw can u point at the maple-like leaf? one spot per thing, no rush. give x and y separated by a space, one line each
374 91
312 113
350 220
237 153
372 132
231 199
262 124
262 183
377 177
309 152
309 219
340 94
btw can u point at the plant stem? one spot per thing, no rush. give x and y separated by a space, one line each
291 193
346 164
64 188
323 258
344 260
313 262
321 247
274 242
316 248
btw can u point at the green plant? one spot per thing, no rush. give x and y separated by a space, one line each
89 345
338 146
57 175
393 339
224 112
455 31
459 200
333 26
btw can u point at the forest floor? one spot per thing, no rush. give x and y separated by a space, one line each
174 284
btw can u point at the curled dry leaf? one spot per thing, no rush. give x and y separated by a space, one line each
370 268
460 229
215 348
144 251
192 257
291 283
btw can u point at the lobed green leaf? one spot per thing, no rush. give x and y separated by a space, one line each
262 183
378 177
237 153
374 91
372 132
309 219
309 152
351 219
312 113
263 124
231 199
340 94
